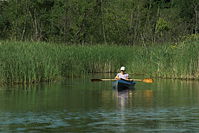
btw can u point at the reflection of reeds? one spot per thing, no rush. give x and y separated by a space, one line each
34 62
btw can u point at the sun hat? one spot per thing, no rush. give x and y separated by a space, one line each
122 68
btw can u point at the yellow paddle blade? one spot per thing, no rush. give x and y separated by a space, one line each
148 80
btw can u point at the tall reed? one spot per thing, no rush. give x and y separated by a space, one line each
28 62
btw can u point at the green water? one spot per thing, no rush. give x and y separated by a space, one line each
78 105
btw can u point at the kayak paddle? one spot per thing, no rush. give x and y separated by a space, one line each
146 80
93 80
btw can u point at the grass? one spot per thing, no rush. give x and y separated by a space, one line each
29 62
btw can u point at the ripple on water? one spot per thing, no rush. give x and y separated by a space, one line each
151 120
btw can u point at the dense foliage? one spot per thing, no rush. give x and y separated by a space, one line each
98 21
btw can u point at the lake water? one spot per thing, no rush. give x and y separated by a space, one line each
79 105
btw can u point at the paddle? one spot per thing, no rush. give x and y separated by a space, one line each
146 80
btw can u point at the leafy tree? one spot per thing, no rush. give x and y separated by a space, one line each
98 21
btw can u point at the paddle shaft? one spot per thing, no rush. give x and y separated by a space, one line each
122 79
107 79
142 80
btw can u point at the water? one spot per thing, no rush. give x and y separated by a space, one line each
78 105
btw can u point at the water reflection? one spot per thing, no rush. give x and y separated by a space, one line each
134 98
128 112
82 106
124 97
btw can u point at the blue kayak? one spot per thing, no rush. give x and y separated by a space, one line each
121 85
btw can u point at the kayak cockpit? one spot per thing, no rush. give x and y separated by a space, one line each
121 85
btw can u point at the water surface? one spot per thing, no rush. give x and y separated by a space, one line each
78 105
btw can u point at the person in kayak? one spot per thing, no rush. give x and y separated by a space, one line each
122 75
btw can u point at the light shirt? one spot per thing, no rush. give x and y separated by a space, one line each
121 76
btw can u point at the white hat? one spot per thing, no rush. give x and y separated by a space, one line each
122 68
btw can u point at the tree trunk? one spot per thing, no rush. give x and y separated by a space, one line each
196 17
103 25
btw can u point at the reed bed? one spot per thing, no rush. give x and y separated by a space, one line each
30 62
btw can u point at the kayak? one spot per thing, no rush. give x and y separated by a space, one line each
121 85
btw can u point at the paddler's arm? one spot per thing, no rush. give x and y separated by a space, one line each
128 79
116 77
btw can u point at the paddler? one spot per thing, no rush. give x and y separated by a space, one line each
122 75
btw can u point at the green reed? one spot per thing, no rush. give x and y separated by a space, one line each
29 62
